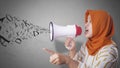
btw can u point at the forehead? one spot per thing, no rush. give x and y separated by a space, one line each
89 17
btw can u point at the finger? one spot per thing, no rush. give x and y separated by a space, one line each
56 61
67 42
72 45
49 51
53 58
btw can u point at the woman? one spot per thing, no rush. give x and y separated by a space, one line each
99 51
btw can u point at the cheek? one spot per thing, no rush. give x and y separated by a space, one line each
90 30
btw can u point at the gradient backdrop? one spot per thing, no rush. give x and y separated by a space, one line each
40 12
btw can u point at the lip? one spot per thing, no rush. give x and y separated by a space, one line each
86 31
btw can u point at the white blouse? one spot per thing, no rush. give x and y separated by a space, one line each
106 57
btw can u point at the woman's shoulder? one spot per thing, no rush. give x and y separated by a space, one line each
109 51
111 47
108 56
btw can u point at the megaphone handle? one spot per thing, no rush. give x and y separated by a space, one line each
69 47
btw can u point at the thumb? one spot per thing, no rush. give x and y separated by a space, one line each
49 51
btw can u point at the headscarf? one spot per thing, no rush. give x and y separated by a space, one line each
103 30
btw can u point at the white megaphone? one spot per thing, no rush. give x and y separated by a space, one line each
63 31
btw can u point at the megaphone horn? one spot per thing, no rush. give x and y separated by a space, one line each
59 31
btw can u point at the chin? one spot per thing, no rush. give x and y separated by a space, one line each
87 36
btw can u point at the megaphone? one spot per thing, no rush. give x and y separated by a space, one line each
63 31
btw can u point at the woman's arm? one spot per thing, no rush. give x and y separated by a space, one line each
71 63
72 53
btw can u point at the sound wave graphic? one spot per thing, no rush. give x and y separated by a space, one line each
14 30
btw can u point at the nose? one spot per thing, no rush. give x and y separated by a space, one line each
86 25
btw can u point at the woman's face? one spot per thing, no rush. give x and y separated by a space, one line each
88 27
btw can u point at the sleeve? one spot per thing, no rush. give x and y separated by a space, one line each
80 55
106 58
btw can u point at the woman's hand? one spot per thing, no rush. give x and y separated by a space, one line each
57 58
70 44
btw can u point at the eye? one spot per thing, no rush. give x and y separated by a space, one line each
89 18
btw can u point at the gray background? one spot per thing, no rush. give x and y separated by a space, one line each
40 12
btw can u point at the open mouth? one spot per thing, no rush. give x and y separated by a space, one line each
86 31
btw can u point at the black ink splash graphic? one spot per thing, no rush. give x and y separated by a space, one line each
14 30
